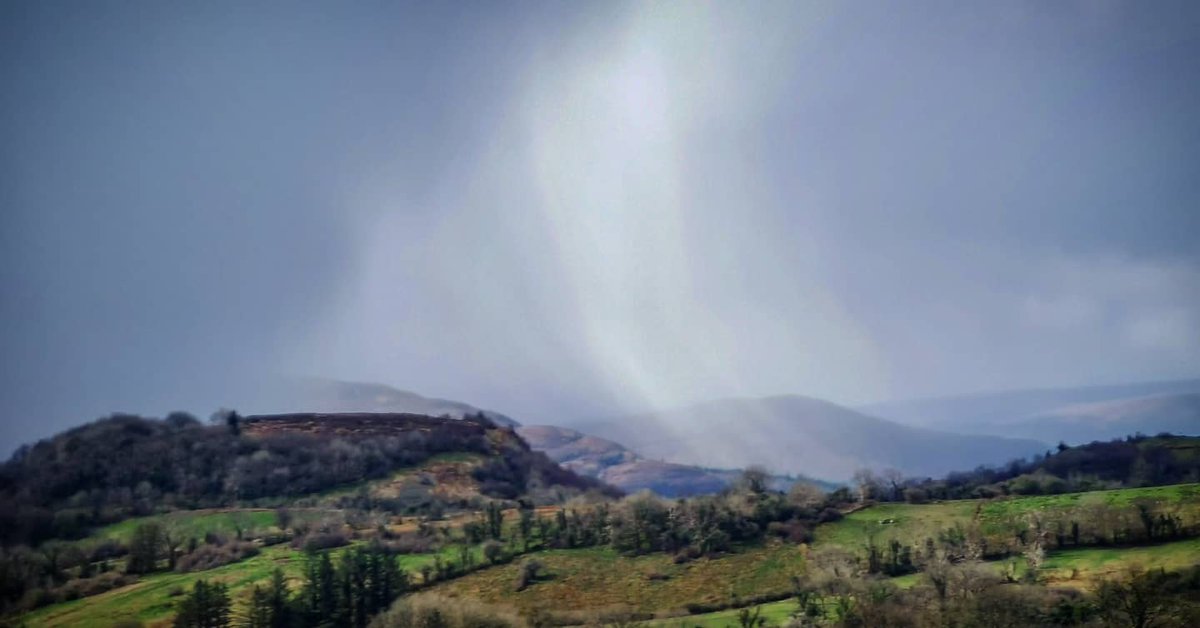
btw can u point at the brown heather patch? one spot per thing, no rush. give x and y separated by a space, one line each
599 578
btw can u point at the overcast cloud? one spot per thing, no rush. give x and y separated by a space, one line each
567 210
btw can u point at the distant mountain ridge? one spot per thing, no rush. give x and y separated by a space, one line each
1073 415
795 434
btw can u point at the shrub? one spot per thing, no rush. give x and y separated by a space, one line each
210 556
528 574
829 515
422 611
493 551
315 541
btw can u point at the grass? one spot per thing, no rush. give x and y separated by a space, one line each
912 523
773 613
909 523
1083 567
1180 494
600 578
197 523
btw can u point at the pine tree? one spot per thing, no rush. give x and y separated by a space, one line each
207 606
144 548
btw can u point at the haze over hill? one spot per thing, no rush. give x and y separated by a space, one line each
312 394
1073 415
794 434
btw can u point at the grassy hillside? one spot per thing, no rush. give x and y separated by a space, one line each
912 523
577 584
599 578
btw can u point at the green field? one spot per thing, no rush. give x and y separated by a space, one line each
912 523
773 613
196 523
1084 566
905 522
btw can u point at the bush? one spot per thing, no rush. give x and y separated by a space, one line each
210 556
316 541
429 609
528 574
829 515
409 543
916 495
793 530
493 551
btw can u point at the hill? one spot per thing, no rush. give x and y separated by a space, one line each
627 470
793 434
1074 415
330 396
125 465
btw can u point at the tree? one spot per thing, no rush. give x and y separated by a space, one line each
866 484
806 495
271 605
144 548
1138 602
207 606
494 520
754 479
525 526
895 483
172 538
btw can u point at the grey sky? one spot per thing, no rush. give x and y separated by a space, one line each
563 210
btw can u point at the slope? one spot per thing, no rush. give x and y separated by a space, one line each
793 434
618 466
1071 414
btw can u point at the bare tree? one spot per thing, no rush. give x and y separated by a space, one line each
806 495
866 484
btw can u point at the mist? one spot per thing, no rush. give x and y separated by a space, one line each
570 210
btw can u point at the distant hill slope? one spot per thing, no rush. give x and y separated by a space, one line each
1074 415
329 395
613 463
616 465
793 434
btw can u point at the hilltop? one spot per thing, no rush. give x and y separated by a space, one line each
313 394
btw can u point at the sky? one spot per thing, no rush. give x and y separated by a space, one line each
565 210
